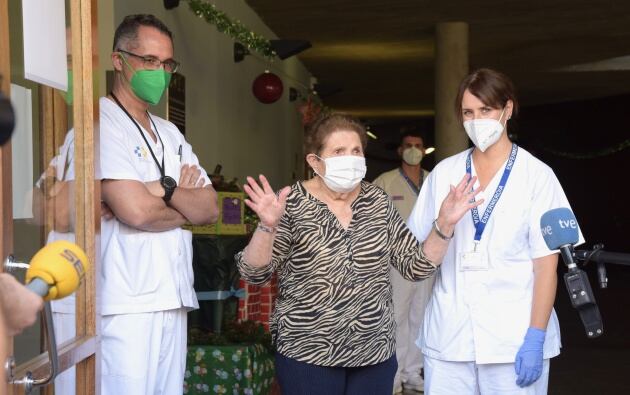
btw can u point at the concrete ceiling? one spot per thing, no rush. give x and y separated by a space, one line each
381 51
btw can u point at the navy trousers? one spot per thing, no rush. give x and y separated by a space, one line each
300 378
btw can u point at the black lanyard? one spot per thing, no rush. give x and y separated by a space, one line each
163 167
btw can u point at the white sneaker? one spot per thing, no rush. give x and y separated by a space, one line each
398 389
414 383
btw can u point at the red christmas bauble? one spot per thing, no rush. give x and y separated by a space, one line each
267 88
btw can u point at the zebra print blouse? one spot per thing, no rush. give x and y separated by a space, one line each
334 305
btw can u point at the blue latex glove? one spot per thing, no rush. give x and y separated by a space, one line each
529 359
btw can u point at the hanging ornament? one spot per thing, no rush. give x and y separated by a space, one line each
267 88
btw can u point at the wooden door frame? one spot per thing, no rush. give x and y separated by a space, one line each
6 204
84 350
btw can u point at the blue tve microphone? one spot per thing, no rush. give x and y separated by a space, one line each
560 230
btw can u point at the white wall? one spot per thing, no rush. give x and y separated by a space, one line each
225 123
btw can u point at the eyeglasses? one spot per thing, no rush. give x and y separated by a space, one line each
153 63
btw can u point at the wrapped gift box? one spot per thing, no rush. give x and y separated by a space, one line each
233 369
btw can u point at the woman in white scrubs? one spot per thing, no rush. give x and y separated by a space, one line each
490 327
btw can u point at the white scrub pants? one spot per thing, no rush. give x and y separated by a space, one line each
65 329
410 300
469 378
144 354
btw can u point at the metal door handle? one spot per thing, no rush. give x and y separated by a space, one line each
10 265
28 381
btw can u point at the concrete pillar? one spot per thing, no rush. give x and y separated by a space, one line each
451 66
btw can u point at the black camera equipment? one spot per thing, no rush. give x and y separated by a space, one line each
7 118
579 288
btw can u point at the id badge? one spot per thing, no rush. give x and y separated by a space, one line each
473 261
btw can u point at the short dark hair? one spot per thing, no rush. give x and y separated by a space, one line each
409 133
328 123
128 28
493 88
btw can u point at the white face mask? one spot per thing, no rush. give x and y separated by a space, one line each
343 173
412 156
484 132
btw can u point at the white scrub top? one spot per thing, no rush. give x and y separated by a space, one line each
63 164
482 316
399 190
143 271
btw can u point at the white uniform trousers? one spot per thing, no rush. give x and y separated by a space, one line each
410 300
144 353
65 329
469 378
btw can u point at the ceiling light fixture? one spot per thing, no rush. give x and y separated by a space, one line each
287 48
282 48
325 89
170 4
240 51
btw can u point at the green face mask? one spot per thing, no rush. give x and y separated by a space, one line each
149 85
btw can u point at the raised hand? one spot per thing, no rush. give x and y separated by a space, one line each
266 204
458 202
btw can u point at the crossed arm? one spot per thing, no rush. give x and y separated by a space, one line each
140 205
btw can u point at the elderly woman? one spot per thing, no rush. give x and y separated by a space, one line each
490 327
331 240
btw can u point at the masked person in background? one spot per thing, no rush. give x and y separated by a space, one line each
331 240
410 298
152 182
490 327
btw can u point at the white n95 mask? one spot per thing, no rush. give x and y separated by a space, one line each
343 173
484 132
412 156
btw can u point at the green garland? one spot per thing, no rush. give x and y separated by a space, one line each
234 29
591 155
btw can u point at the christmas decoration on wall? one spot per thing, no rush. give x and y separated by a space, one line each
233 28
311 108
267 88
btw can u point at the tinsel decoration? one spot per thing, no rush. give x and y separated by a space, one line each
591 155
311 108
234 29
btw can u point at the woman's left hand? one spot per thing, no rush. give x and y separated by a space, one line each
263 200
457 203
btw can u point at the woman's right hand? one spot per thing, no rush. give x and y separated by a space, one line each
266 204
457 203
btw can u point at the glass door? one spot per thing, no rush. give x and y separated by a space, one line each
49 193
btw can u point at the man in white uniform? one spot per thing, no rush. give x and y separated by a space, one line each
410 298
153 184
